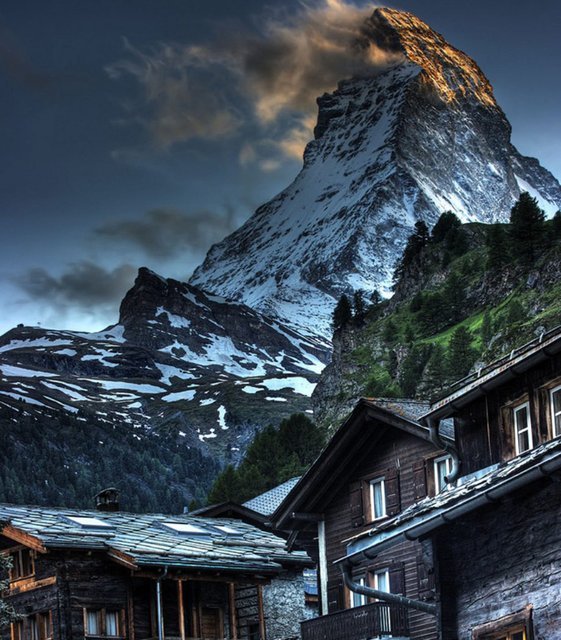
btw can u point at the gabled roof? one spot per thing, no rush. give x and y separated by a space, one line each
369 420
267 503
153 540
474 491
487 378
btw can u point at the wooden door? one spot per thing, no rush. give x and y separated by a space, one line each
212 625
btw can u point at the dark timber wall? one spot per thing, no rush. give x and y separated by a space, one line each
409 564
501 559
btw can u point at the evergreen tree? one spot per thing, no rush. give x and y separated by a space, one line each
7 613
343 313
498 254
461 355
515 313
415 244
486 329
226 488
412 368
447 222
359 307
556 224
375 297
527 229
389 334
436 370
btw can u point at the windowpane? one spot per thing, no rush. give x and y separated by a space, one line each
112 623
556 409
93 627
442 467
34 629
382 581
358 599
377 499
522 430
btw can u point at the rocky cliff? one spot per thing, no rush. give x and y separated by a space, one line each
421 137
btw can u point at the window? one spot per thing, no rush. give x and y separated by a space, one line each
382 581
522 428
22 564
358 599
17 630
442 468
556 411
518 633
103 623
377 499
40 626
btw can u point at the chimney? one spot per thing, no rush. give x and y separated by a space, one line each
107 500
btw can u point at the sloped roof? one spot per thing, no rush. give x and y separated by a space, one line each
482 381
368 421
268 502
472 492
144 540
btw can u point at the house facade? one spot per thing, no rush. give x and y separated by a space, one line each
496 535
91 574
378 463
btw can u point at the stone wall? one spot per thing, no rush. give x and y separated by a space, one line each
284 605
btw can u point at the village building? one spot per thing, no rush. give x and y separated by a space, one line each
110 574
378 463
495 534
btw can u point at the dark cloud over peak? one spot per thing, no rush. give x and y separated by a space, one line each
166 233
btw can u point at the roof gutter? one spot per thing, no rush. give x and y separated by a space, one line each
439 442
421 526
391 598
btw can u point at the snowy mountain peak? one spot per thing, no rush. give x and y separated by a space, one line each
422 136
448 70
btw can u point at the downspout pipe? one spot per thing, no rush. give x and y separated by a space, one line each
159 608
391 598
440 443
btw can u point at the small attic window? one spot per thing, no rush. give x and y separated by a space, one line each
224 528
184 527
89 522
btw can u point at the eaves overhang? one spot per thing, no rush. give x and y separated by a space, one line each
413 526
488 378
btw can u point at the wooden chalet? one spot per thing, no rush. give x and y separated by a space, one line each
379 462
496 534
92 574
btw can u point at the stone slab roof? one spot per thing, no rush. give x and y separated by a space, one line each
146 540
267 503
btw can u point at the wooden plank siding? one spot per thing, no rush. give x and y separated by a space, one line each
395 451
485 428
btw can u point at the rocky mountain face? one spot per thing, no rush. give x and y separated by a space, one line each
402 348
422 137
179 361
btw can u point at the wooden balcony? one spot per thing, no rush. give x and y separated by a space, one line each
375 620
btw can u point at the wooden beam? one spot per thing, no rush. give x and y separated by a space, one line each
181 609
30 584
122 558
233 612
130 612
23 538
262 627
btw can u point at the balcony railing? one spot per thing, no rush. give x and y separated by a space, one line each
375 620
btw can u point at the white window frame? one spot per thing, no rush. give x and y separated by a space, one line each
377 574
528 427
553 413
448 459
372 484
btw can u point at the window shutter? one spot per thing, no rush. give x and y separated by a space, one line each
335 596
420 480
357 512
397 578
425 579
393 501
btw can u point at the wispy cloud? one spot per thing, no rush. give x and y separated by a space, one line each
268 78
164 234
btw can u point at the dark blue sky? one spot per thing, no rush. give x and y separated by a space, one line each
111 163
